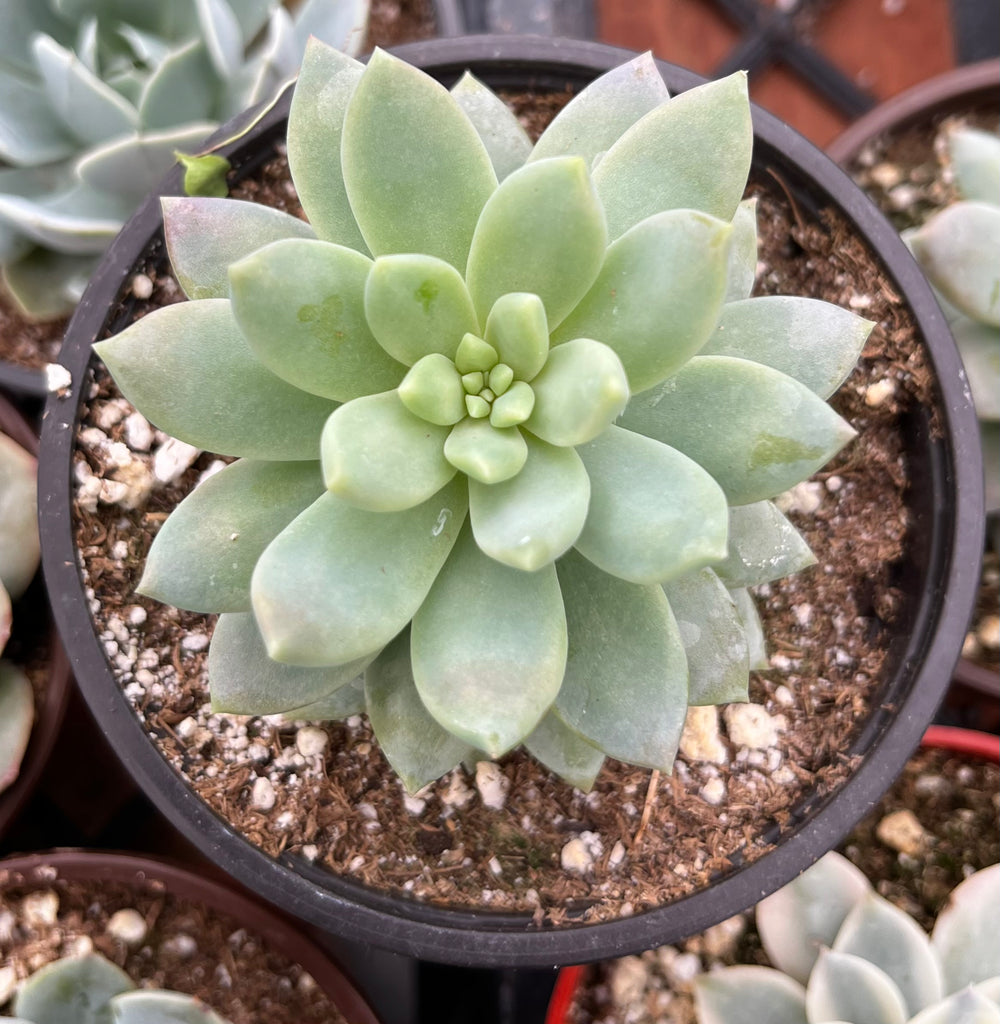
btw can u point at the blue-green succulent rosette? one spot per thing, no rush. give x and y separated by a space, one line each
507 420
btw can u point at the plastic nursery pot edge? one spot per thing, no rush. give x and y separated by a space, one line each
950 500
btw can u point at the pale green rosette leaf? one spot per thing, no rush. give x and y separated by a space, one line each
565 752
646 171
597 117
182 88
743 252
315 128
815 342
418 749
845 987
204 236
74 222
155 1006
378 456
316 337
505 140
484 452
30 132
625 689
205 552
654 514
964 935
433 390
417 305
714 639
541 231
966 1007
657 297
17 714
763 546
749 995
975 163
222 34
767 431
49 284
489 648
533 518
73 990
413 190
979 346
173 364
340 582
753 629
334 707
581 389
518 330
19 544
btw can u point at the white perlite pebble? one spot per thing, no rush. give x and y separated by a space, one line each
40 909
142 286
182 946
804 498
749 725
136 615
617 855
262 797
903 832
628 981
172 458
193 643
495 866
57 378
492 784
700 739
413 804
575 857
878 393
988 633
458 793
311 741
128 926
138 433
713 792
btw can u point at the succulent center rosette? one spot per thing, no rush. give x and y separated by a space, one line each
507 420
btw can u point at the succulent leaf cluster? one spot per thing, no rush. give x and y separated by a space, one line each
845 955
99 96
507 419
90 989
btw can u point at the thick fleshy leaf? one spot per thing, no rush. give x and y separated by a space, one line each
966 1007
743 252
334 707
749 995
222 34
691 152
767 431
654 514
30 133
182 88
753 628
204 554
315 128
597 117
378 456
815 342
964 935
49 284
433 390
658 295
975 163
486 453
530 520
73 990
174 363
413 190
417 305
156 1006
581 389
17 713
416 746
316 337
73 222
541 231
714 638
342 25
798 919
19 544
489 648
846 987
763 546
275 62
243 680
625 689
518 329
505 140
204 236
341 582
979 346
565 752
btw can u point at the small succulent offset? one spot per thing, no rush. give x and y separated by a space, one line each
98 97
845 955
90 989
19 553
508 421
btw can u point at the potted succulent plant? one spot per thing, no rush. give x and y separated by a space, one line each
479 381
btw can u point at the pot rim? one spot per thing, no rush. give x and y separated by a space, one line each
480 938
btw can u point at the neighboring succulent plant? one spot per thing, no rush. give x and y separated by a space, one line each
845 955
539 428
90 989
98 95
19 551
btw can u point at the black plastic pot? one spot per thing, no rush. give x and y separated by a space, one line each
946 508
23 383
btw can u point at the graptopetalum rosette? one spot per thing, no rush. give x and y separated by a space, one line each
507 419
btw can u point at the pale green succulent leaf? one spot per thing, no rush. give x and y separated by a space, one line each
20 20
378 456
654 513
183 87
815 342
514 406
205 235
344 702
979 346
753 628
964 935
340 582
565 752
317 337
749 995
489 648
767 431
541 231
174 363
413 190
846 987
243 680
49 284
625 689
486 453
342 25
646 171
763 546
743 252
506 142
17 714
157 1006
274 64
598 116
417 747
975 163
714 638
416 305
581 389
79 221
433 390
204 554
30 133
222 34
533 518
474 355
73 990
19 543
517 329
658 294
968 1006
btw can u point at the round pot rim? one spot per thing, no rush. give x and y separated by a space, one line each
143 872
479 938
